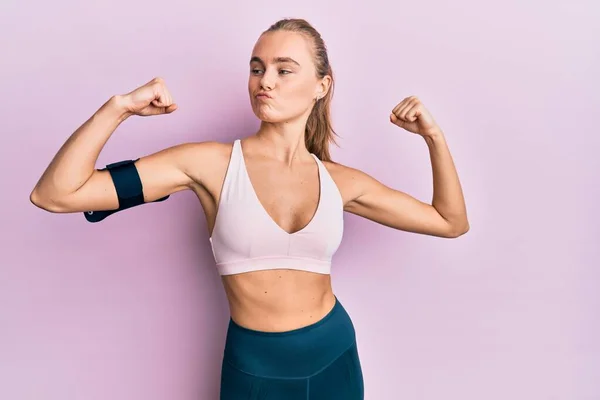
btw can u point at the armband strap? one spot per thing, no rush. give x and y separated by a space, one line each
128 186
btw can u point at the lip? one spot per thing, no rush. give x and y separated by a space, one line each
263 95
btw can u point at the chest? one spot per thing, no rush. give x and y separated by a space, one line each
290 196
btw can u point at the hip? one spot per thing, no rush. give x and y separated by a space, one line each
295 353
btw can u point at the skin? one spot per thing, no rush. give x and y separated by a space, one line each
283 173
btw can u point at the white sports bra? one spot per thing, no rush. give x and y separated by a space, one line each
245 238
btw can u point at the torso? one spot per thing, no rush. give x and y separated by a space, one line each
279 299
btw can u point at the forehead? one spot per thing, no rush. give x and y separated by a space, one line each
277 44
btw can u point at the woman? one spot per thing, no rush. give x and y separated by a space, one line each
274 203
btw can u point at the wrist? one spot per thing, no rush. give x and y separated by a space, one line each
118 104
434 137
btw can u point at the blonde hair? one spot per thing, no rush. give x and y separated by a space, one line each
319 131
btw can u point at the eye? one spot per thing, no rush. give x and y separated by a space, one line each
255 71
285 72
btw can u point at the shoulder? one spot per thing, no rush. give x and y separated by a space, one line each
350 181
211 149
209 152
340 171
201 160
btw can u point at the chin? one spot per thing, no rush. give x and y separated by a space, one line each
271 117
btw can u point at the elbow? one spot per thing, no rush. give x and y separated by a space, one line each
45 203
458 230
35 199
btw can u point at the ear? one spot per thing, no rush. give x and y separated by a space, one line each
323 87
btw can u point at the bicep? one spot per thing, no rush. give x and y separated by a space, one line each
161 173
393 208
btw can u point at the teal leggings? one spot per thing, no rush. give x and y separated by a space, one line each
317 362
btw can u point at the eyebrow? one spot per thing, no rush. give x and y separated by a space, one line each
277 60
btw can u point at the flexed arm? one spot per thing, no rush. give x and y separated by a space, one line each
446 216
71 183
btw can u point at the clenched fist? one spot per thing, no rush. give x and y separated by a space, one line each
153 98
411 114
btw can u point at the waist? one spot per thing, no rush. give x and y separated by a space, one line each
299 352
278 300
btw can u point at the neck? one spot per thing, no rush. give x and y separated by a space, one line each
284 141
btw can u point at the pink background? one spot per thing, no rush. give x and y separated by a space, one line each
132 308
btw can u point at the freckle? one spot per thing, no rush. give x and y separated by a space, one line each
265 291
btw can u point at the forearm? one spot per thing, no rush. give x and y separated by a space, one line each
75 161
448 197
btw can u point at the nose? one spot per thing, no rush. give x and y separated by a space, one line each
266 82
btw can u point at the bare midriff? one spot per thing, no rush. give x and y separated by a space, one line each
278 300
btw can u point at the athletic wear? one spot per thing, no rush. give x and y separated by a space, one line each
245 237
317 362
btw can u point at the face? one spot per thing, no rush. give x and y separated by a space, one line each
283 83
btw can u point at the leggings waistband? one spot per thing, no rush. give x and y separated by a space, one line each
296 353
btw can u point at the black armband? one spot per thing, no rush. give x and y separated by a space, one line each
129 189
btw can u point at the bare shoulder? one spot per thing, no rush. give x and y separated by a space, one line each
350 181
203 160
212 150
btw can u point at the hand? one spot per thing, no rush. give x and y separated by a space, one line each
151 99
411 114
